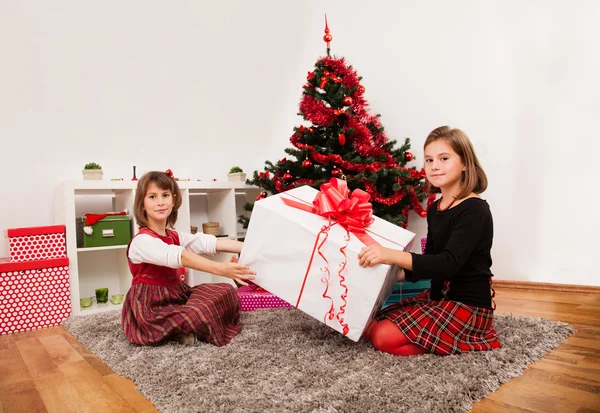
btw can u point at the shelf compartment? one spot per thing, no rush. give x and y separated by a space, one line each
111 247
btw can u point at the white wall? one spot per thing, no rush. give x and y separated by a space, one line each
198 87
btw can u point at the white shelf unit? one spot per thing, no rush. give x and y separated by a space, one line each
100 267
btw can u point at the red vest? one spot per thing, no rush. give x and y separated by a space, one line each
152 274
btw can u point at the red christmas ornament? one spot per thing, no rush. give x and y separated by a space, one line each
328 37
347 100
306 163
336 172
262 195
287 176
408 156
342 139
361 89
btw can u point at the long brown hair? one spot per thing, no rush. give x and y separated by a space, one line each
473 178
163 181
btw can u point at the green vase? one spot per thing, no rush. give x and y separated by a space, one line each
101 295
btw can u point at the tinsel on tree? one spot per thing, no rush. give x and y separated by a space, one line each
345 141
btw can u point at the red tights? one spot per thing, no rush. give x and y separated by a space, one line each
387 337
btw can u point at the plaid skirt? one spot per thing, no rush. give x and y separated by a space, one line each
153 314
443 327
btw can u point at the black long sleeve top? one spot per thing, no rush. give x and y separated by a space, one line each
458 249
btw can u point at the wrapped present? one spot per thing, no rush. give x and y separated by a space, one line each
304 245
34 294
253 297
406 289
37 243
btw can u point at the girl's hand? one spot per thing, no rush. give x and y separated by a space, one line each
374 255
237 272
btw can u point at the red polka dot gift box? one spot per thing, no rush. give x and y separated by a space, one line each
36 243
253 297
34 294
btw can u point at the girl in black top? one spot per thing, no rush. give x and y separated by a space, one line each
456 314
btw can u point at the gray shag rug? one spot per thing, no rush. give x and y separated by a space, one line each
286 361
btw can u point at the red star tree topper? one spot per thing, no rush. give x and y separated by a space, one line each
344 140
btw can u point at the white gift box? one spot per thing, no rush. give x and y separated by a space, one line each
310 268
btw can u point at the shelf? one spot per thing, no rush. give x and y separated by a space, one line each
90 268
111 247
96 308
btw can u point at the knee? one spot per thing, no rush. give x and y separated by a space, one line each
380 336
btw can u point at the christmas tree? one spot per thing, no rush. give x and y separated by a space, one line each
345 141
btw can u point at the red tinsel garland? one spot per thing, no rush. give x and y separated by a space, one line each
405 213
371 190
316 111
349 166
422 212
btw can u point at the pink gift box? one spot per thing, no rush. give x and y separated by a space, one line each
253 297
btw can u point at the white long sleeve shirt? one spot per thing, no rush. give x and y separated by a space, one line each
145 248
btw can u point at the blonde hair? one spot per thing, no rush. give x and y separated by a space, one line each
163 181
473 178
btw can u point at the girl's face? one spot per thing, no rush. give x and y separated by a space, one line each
443 166
158 204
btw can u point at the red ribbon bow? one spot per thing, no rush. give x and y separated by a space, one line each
328 75
255 287
170 173
352 211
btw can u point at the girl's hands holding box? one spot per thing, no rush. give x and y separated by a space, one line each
375 254
237 272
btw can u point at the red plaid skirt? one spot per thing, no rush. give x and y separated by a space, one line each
443 327
152 313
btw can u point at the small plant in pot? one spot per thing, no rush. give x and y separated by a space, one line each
236 174
92 171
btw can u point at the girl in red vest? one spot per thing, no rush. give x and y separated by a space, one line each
456 314
159 306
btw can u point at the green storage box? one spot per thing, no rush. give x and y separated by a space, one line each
109 231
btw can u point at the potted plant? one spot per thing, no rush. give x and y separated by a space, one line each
92 171
236 174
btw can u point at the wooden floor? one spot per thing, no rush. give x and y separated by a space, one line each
49 371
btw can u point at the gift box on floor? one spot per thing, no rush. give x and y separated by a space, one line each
311 260
253 297
34 294
406 289
36 243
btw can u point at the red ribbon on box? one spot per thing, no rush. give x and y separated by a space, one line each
354 213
